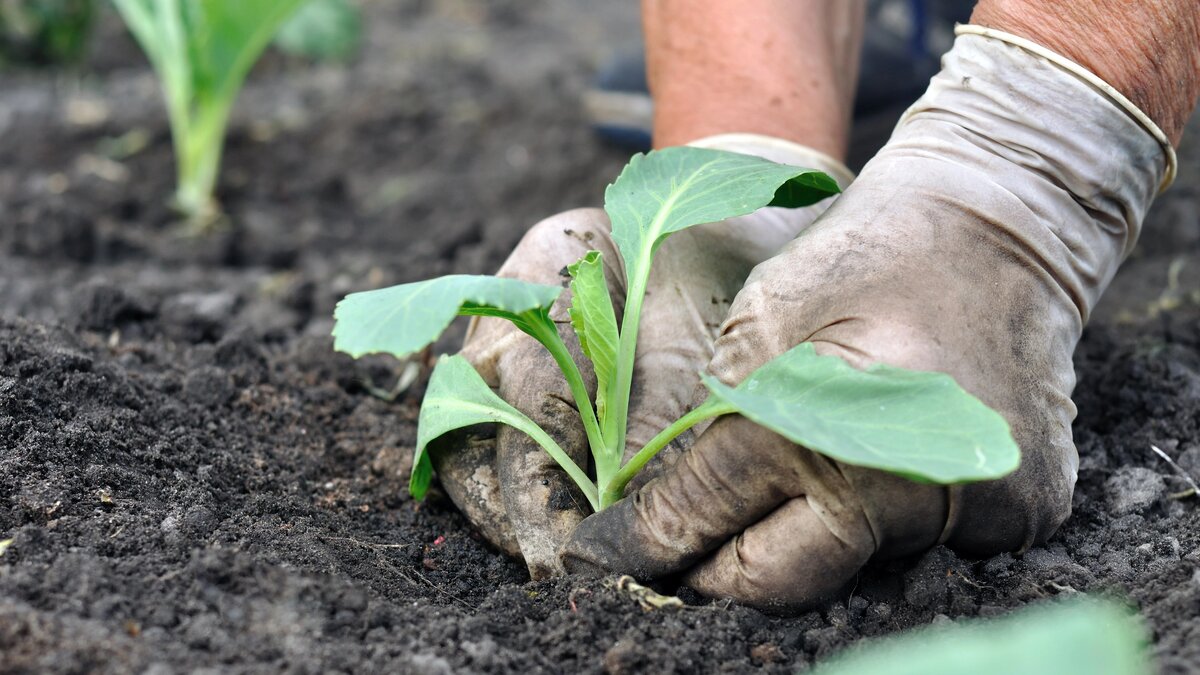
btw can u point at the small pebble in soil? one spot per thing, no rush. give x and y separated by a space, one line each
195 316
1134 489
766 653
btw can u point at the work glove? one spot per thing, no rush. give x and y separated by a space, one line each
506 484
975 244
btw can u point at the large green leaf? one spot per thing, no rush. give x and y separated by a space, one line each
1082 637
458 397
326 30
917 424
668 190
404 319
595 322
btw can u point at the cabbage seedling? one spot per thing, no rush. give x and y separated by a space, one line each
918 424
201 51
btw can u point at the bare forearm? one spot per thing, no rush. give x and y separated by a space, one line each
784 68
1149 51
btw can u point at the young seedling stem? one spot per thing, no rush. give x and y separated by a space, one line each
547 333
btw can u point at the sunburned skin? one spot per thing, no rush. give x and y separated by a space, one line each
1149 51
717 67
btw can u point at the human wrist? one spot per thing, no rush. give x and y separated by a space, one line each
787 69
1148 51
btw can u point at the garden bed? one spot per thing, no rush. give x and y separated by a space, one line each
191 477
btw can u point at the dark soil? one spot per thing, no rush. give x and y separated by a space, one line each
192 479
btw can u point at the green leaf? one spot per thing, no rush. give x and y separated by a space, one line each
595 322
1072 638
404 319
668 190
921 425
324 30
458 397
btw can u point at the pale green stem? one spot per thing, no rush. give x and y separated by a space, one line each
556 453
616 420
199 159
546 333
612 491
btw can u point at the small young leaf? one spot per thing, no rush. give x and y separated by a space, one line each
404 319
595 322
458 397
668 190
917 424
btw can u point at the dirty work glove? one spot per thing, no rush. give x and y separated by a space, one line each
975 244
507 485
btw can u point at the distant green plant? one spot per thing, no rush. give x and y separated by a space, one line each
202 51
920 425
322 30
1078 637
44 32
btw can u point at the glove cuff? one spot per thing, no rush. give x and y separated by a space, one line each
1119 99
778 150
1045 155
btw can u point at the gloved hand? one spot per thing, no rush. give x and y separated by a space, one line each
507 485
975 243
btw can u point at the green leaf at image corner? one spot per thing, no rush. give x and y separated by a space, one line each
920 425
1077 637
595 322
404 319
458 397
668 190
